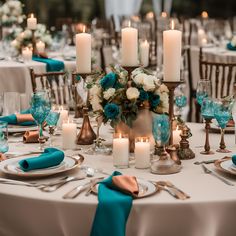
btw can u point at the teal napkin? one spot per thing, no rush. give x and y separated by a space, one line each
230 47
234 159
12 120
50 157
52 65
112 211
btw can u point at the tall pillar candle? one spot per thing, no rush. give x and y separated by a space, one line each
69 134
32 22
129 46
63 117
120 151
40 46
142 153
83 53
144 53
172 40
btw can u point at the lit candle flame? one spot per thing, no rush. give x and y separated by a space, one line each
84 28
31 15
129 24
119 135
172 24
204 14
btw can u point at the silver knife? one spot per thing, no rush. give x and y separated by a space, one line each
77 190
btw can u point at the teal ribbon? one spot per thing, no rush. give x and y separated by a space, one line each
50 157
52 65
112 211
231 47
12 120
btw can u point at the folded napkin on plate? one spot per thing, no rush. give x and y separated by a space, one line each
24 119
114 205
234 159
31 137
230 47
52 65
50 157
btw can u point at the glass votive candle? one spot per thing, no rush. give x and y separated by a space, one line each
121 150
3 137
142 152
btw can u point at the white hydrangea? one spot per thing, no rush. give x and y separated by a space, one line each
109 93
149 83
132 93
139 78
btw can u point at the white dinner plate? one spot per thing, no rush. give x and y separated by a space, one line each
146 188
226 165
21 129
11 167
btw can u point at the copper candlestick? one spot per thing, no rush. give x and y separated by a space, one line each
35 52
207 147
171 85
130 69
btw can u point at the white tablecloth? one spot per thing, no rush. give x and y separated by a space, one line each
210 211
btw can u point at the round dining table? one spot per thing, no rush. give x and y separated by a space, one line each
210 210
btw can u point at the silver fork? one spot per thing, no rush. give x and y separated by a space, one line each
207 171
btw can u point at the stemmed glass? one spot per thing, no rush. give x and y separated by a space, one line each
161 134
52 120
180 100
207 111
223 109
40 108
98 147
203 90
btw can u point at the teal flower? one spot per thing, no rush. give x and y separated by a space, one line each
111 111
154 100
143 96
108 81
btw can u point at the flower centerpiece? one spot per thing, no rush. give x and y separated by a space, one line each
11 13
232 44
24 39
117 99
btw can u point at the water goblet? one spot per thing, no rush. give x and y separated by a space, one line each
222 113
180 99
40 108
161 133
3 137
203 90
51 121
207 111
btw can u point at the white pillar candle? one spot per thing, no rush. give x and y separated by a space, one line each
63 117
172 53
27 54
69 134
129 46
83 52
121 151
32 22
176 136
142 153
40 46
144 53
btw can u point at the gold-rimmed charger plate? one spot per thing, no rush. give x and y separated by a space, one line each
11 167
226 165
146 188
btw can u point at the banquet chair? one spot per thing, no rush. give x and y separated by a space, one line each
55 83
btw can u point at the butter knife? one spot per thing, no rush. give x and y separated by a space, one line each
76 191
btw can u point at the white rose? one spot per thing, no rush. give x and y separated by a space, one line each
148 83
109 93
95 90
132 93
139 78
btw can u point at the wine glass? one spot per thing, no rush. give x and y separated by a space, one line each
3 137
40 108
51 121
180 100
161 134
207 111
222 113
203 90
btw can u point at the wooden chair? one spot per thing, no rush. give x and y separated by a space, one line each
55 83
221 75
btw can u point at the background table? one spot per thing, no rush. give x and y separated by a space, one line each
210 211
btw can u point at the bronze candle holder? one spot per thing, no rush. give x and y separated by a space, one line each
86 135
171 85
184 152
129 69
207 148
35 52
